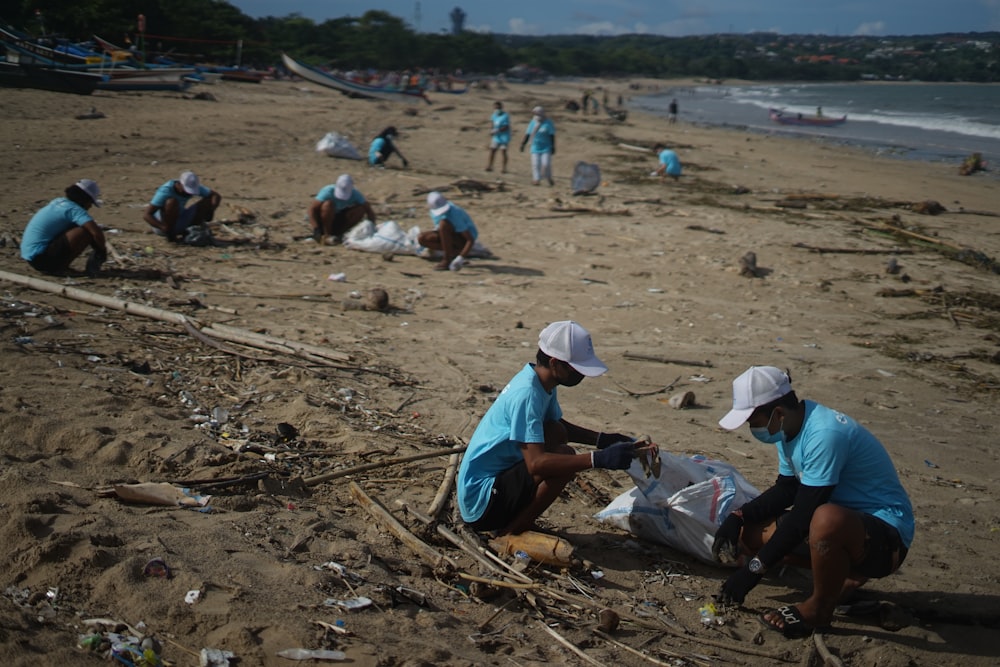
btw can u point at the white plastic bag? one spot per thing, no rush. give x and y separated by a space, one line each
337 145
586 178
684 506
387 237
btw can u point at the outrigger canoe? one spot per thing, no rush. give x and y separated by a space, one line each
783 118
351 88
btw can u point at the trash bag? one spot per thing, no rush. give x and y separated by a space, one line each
586 178
198 235
387 237
337 145
684 506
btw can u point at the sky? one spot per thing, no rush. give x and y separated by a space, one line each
673 18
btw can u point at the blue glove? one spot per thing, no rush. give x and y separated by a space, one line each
726 546
615 457
737 586
606 439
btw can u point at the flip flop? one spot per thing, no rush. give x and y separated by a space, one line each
793 626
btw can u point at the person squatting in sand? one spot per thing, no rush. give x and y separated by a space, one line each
518 460
836 507
382 148
169 215
669 164
453 235
336 209
541 132
499 136
63 228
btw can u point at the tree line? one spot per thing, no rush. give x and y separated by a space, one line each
209 30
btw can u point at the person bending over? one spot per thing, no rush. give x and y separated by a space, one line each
337 208
453 235
168 212
63 228
382 148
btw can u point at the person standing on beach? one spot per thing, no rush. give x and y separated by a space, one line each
453 235
518 460
836 507
669 163
499 135
63 228
382 148
336 209
672 110
541 133
169 215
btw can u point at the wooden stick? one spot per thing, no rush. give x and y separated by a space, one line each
829 659
565 642
326 477
665 360
626 647
853 251
445 489
884 227
533 586
382 516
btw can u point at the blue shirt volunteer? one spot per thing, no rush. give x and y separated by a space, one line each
501 119
459 219
327 193
542 138
55 218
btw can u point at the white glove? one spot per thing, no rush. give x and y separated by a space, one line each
457 263
654 173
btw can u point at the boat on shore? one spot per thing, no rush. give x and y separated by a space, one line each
18 75
351 88
783 118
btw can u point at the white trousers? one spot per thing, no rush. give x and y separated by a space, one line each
541 166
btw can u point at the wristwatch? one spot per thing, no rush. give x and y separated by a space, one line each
756 566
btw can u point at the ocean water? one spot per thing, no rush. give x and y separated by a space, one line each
919 121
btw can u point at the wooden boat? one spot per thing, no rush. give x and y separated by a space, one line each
783 118
350 88
18 75
156 78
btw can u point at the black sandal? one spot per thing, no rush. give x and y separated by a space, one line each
793 626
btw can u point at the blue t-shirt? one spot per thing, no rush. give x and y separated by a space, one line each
832 449
669 158
544 138
166 192
378 143
459 219
55 218
517 416
327 193
501 119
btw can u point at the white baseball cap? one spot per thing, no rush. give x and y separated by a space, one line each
568 341
756 386
344 187
437 203
190 183
90 187
538 111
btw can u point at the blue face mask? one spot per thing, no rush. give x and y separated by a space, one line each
763 434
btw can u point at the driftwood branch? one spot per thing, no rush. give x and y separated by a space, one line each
629 649
829 659
382 516
567 644
885 227
853 251
326 477
665 360
649 393
445 489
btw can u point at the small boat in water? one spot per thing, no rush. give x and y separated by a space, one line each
351 88
783 118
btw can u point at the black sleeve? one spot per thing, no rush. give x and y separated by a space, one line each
794 527
773 502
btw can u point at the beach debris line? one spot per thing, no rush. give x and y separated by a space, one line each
972 164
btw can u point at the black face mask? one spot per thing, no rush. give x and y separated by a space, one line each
574 378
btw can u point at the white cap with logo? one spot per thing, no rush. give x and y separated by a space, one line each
756 386
568 341
90 187
437 203
190 183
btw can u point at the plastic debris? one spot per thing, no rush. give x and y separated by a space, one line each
192 596
311 654
352 604
215 657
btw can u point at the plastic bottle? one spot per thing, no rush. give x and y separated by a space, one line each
311 654
707 614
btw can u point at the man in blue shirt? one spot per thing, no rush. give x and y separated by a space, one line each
669 164
541 133
837 506
337 208
453 235
168 212
382 148
62 229
499 135
519 460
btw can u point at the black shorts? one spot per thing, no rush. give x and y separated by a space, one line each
55 258
513 490
882 541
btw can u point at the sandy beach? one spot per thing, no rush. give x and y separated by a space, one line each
92 397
